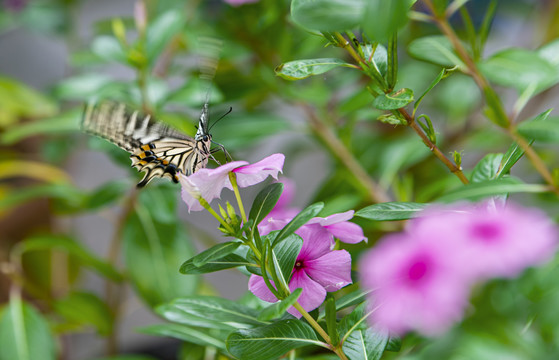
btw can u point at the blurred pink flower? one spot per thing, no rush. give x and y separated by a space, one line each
240 2
415 285
317 270
208 183
493 242
420 279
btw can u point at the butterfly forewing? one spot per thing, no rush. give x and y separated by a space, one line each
155 148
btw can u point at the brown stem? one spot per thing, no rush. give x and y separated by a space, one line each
113 292
339 150
433 147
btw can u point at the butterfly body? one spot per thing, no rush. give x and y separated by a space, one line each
155 148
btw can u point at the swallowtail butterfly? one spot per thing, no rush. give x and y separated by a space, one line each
155 148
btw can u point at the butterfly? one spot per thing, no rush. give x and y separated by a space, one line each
155 148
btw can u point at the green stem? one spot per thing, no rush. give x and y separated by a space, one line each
233 179
207 206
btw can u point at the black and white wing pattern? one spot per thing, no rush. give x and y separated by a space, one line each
155 148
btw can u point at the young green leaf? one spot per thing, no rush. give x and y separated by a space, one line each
109 49
327 15
265 202
279 337
278 309
487 168
389 211
301 69
25 333
299 220
433 84
395 100
392 73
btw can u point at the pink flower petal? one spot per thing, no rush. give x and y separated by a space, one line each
332 270
206 183
258 287
317 241
313 294
347 232
416 285
332 219
255 173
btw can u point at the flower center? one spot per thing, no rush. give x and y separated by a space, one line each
299 265
486 231
417 270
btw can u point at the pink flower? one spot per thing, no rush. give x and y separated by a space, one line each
415 285
493 242
421 278
208 183
317 270
328 228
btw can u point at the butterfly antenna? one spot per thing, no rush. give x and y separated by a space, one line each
222 116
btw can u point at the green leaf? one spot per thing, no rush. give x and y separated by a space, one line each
435 49
25 333
161 30
550 52
301 69
488 188
226 262
379 58
513 154
215 252
18 101
353 298
106 194
72 247
299 220
392 58
327 15
487 168
278 338
265 202
209 312
108 48
331 323
433 84
62 123
360 341
82 86
519 69
389 211
285 254
127 357
278 309
153 253
545 130
394 100
85 309
184 333
389 16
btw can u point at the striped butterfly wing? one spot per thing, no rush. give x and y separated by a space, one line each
155 148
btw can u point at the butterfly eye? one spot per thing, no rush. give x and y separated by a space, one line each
206 138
